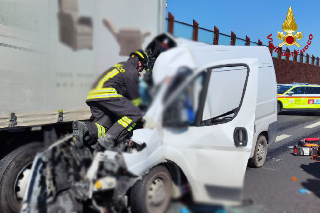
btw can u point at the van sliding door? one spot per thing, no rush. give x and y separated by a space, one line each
214 149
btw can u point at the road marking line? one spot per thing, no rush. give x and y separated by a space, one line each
281 137
268 168
313 125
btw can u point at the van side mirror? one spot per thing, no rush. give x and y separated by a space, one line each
176 115
290 93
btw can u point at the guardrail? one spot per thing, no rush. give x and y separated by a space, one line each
299 68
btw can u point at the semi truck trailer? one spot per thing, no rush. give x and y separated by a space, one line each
51 52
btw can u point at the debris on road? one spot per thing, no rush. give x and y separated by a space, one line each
307 146
304 191
294 179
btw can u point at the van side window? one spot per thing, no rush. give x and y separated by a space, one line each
298 90
313 90
317 90
224 94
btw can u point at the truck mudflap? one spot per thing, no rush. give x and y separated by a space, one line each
71 179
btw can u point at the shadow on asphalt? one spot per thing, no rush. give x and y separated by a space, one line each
187 205
313 185
299 113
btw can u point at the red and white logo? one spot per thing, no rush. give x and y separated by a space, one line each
311 101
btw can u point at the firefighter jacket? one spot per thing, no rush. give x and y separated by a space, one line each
121 80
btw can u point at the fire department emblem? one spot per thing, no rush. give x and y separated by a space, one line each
289 26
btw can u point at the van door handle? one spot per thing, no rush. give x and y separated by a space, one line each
240 137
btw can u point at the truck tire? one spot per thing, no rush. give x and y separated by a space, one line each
14 172
153 192
260 153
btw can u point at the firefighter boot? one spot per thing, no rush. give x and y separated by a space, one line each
107 141
79 131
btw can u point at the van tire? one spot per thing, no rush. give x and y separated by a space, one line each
279 108
260 153
10 167
158 180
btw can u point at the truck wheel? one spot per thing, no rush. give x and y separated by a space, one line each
279 108
15 170
153 192
260 153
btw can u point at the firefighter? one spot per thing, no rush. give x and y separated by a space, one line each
113 101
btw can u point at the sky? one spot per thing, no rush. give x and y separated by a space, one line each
256 19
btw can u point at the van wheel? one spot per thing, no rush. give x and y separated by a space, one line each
15 170
153 192
260 153
279 108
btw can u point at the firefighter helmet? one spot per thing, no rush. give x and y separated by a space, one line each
143 57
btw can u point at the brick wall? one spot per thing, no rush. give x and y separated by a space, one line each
292 71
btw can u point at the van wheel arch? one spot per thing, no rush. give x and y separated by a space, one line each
178 177
265 134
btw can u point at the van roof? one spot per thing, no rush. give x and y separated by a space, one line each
197 54
204 52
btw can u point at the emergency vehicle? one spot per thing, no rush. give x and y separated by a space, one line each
298 97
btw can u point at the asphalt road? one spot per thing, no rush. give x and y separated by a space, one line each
270 188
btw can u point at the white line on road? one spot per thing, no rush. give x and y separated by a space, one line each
268 168
313 125
281 137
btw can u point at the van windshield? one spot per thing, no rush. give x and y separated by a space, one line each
283 89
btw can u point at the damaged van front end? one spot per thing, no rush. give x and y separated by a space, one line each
71 178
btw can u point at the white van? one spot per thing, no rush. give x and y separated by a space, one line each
201 129
266 111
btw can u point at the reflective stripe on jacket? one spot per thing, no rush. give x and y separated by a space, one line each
121 80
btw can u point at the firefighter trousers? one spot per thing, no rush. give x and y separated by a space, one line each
115 116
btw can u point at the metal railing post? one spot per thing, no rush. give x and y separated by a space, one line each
279 65
312 68
233 38
307 74
301 71
317 71
170 23
216 36
295 58
247 41
287 57
195 30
